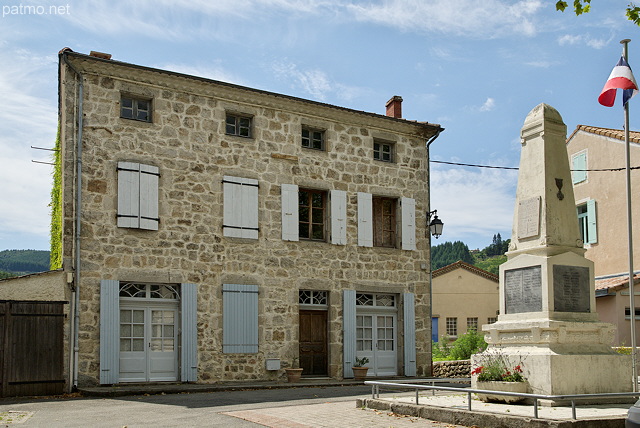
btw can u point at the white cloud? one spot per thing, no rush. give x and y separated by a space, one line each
595 43
470 18
488 105
474 204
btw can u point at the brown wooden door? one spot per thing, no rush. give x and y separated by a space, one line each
313 343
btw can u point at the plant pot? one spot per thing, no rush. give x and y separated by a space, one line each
522 387
360 373
293 375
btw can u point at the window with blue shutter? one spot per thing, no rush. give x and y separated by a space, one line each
138 195
240 213
587 222
579 166
239 318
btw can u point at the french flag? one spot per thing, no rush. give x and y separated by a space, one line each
621 78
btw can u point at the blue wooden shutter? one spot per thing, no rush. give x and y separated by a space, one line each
579 162
289 198
592 229
240 211
349 331
408 207
409 334
339 217
239 318
189 336
149 176
109 332
128 194
365 220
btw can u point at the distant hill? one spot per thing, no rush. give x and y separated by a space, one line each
22 262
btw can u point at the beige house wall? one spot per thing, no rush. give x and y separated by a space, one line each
463 294
45 287
611 309
187 141
608 189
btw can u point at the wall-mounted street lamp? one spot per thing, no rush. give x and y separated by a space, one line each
435 224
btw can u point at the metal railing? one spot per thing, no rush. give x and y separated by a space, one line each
411 384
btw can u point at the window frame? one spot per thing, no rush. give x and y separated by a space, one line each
135 109
472 323
451 326
310 138
587 221
379 152
309 219
387 238
237 126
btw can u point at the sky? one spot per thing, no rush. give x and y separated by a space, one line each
477 68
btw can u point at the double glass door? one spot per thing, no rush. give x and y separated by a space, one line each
376 340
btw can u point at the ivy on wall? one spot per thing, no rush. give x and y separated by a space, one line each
55 232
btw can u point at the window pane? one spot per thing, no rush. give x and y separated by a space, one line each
318 231
138 330
138 345
125 330
125 316
126 102
156 344
138 316
317 216
125 345
317 199
303 230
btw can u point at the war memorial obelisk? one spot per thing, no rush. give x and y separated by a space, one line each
547 297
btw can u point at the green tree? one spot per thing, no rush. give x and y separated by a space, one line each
584 6
449 252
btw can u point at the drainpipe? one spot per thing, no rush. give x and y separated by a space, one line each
75 322
431 140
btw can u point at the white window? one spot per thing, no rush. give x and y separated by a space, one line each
138 196
452 326
240 207
472 324
587 222
579 166
377 221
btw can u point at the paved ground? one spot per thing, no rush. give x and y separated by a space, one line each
282 408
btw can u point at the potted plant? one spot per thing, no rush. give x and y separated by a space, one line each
293 373
497 373
360 372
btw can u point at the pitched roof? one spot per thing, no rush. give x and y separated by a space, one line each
462 265
618 134
615 282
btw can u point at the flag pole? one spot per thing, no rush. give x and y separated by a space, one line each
632 306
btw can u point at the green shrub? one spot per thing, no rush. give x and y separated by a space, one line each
461 349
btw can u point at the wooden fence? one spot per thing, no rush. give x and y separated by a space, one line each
31 348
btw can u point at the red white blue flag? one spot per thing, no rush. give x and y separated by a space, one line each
621 78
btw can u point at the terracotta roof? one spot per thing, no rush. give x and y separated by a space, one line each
616 282
618 134
462 265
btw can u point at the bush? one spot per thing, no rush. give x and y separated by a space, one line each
464 346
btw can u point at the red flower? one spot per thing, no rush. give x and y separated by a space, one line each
477 370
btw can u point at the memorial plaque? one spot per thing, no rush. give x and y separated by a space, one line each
571 289
523 290
529 218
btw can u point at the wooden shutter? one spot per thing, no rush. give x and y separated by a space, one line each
365 220
579 162
149 176
239 318
408 207
240 212
409 334
592 229
338 217
189 333
128 194
289 196
109 332
349 331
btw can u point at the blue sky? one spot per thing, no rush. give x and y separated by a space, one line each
475 67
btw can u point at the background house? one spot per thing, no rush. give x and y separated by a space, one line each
464 297
218 232
602 206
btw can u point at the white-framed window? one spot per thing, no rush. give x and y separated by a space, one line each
383 151
313 298
579 167
377 223
240 212
135 108
238 125
138 196
312 208
492 320
587 222
313 138
376 300
472 323
452 326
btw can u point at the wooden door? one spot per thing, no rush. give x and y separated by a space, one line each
313 343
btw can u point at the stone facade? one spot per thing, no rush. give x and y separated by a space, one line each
186 140
452 369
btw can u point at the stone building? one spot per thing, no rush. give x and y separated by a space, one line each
217 232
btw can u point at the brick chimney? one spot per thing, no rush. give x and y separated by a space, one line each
394 107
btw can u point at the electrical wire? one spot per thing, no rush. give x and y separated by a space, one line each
516 168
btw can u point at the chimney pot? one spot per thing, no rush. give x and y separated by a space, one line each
394 107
